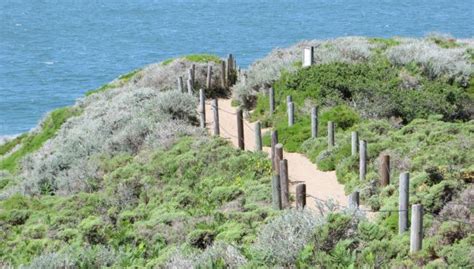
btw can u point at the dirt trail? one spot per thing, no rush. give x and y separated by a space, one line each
322 185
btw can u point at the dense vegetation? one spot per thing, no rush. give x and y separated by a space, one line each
124 178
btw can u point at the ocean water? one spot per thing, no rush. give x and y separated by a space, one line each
52 51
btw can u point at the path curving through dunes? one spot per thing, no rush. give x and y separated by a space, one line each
322 185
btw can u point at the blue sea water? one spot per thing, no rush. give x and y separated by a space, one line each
52 51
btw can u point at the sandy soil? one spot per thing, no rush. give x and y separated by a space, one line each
322 185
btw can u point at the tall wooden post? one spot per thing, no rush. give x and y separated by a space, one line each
278 157
272 100
362 159
314 122
276 190
190 86
274 143
291 114
223 74
300 196
284 184
202 108
209 77
289 99
193 72
403 201
240 129
416 230
191 75
354 143
258 136
354 200
308 56
384 170
331 142
215 108
180 84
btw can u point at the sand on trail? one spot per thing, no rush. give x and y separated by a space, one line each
322 185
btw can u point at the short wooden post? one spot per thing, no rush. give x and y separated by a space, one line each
202 108
272 100
191 75
190 86
403 200
308 56
354 200
331 139
209 77
258 136
223 74
180 84
300 196
284 184
314 122
291 114
278 157
274 143
362 159
240 129
416 230
215 108
354 143
384 170
289 99
276 190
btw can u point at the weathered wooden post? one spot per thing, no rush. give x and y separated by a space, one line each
276 190
362 159
403 200
354 143
190 86
209 77
354 200
215 108
193 72
289 99
384 170
191 75
223 74
180 84
274 143
284 184
272 100
291 114
230 69
300 196
258 136
240 129
308 56
416 230
202 108
331 140
314 122
278 157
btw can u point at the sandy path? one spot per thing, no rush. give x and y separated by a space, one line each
322 185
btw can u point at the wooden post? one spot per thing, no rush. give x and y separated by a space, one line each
331 141
354 143
308 56
403 200
362 159
215 108
191 75
284 184
272 100
193 72
258 136
354 200
202 108
384 170
274 143
209 77
190 86
278 157
289 99
314 122
223 73
291 114
300 196
416 230
276 197
240 129
180 84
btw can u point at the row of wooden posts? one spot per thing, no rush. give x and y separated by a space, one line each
280 178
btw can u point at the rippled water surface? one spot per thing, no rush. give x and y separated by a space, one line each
52 51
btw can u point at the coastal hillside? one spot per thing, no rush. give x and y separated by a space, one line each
127 178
